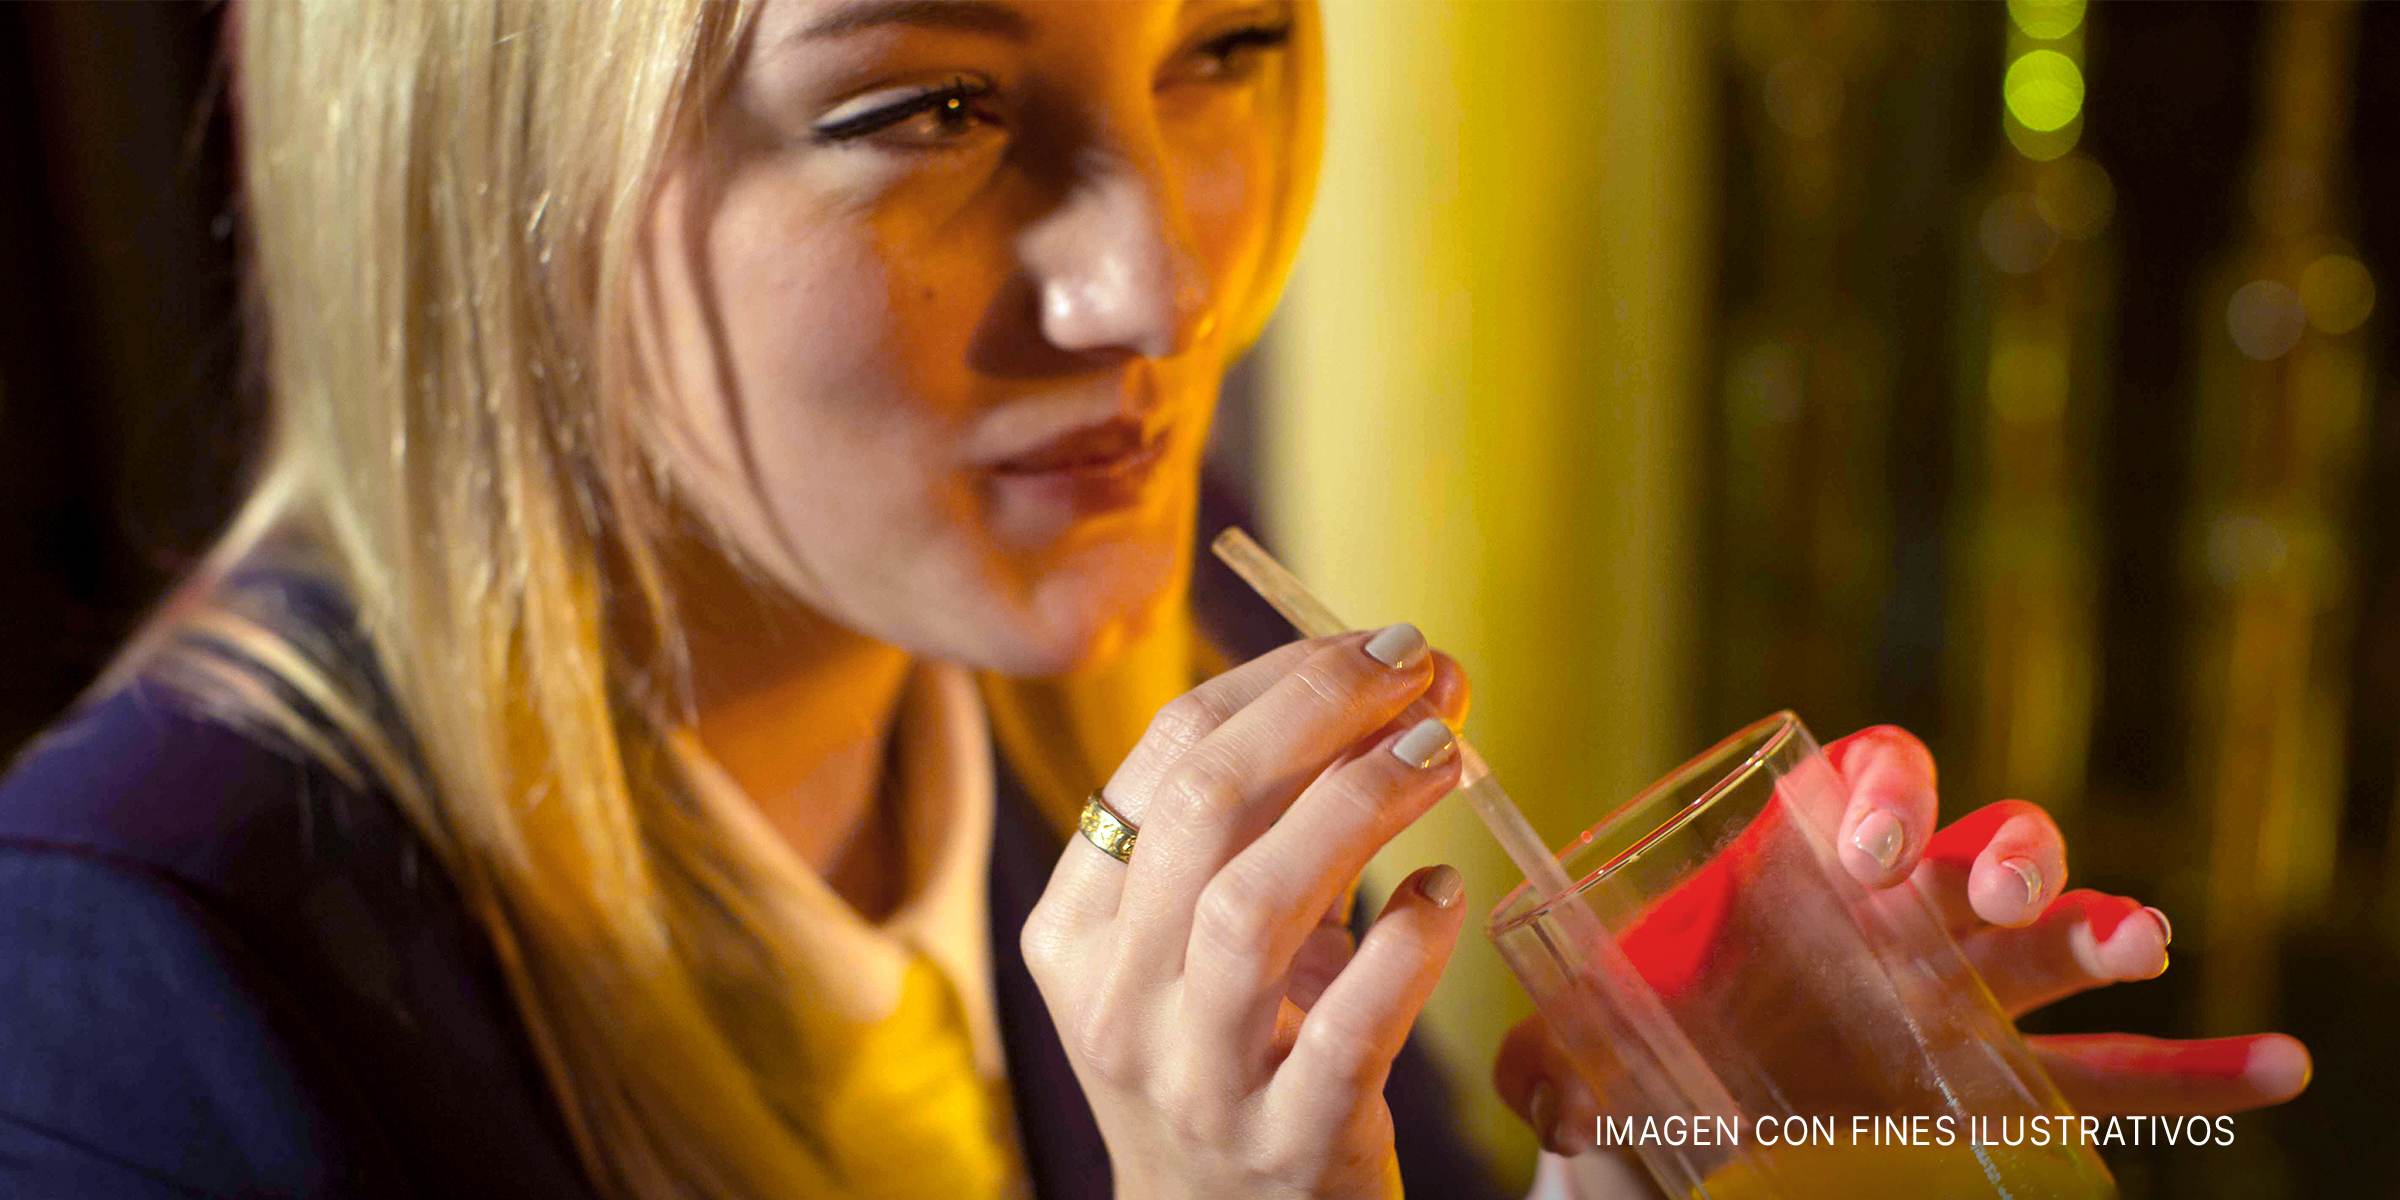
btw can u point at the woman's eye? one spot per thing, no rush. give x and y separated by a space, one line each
916 118
1236 53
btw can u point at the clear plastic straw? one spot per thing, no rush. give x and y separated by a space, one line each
1279 587
1633 1016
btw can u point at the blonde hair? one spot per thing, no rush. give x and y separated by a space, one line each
444 204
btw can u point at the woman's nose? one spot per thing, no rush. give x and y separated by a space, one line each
1118 271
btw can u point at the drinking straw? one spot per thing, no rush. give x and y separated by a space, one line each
1633 1020
1279 587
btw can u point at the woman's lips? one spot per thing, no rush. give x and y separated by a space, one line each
1088 471
1091 445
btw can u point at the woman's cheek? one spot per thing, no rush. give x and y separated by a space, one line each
1227 190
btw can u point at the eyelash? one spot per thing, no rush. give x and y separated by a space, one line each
1248 37
955 95
958 93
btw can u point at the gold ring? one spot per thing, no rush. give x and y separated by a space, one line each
1104 827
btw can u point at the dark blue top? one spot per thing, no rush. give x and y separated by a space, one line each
225 973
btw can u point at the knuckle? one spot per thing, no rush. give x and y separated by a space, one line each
1334 1042
1230 917
1042 944
1366 796
1406 942
1203 781
1189 1101
1285 1156
1108 1047
1182 722
1375 797
1331 682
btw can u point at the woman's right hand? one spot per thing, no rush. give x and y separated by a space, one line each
1229 1040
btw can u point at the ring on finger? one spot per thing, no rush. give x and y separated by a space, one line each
1105 827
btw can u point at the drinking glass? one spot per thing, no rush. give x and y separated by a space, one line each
1714 962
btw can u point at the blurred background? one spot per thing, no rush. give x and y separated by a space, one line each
2009 373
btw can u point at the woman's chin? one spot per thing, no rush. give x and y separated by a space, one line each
1029 654
1030 660
1083 622
1067 647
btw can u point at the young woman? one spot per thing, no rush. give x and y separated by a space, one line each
702 434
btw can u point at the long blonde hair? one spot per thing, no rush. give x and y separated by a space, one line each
444 203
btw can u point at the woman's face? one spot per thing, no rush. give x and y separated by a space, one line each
938 305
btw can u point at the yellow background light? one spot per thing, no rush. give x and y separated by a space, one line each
1485 410
2044 90
2337 292
2046 19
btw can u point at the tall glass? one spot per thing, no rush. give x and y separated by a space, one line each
1716 971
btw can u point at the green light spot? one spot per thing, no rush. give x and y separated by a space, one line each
2044 90
2046 19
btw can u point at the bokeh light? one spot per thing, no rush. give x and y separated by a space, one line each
2046 20
2043 146
2076 197
2044 90
2337 293
2266 319
2027 380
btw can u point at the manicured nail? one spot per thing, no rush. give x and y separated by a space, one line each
1541 1111
1442 886
1397 646
1429 742
2166 928
1879 837
2030 873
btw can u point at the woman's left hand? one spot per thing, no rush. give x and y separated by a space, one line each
1997 875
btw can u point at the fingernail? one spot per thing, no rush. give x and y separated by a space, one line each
1427 743
1541 1110
2166 928
1879 837
2031 874
1397 646
1442 886
2278 1066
